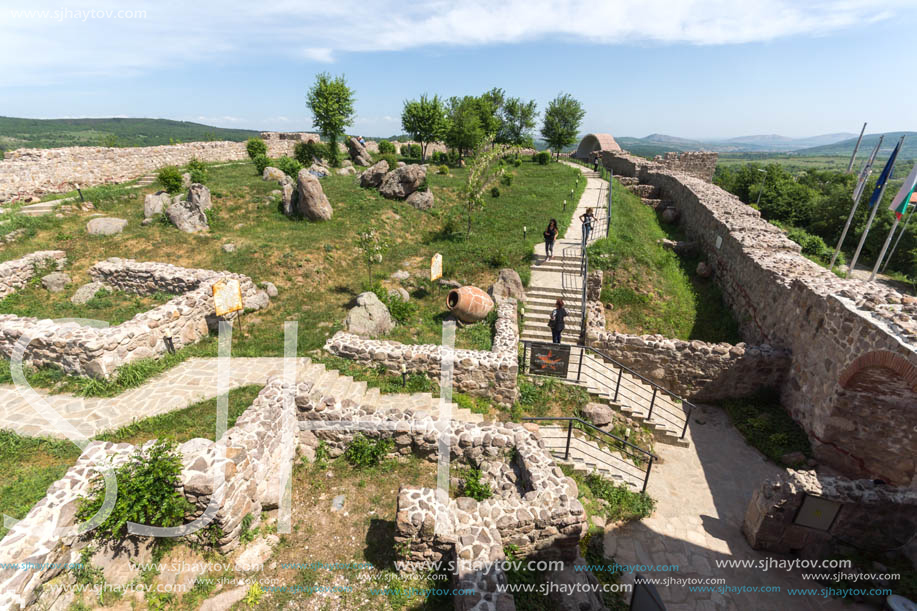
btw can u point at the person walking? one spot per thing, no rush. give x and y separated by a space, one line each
595 163
550 234
588 220
556 321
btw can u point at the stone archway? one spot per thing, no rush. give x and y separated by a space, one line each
595 142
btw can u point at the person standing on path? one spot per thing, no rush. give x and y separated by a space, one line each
556 321
595 163
550 234
588 220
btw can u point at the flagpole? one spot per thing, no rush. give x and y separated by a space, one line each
884 247
900 233
856 148
872 214
861 183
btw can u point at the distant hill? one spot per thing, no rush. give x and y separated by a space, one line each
845 147
49 133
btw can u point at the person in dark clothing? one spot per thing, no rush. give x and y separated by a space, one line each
588 220
557 321
550 234
595 163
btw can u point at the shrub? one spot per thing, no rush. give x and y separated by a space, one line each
402 311
495 191
363 452
813 245
197 169
306 152
411 151
443 169
543 158
439 157
147 493
517 162
622 502
473 487
386 147
255 147
261 162
169 178
391 158
288 166
507 179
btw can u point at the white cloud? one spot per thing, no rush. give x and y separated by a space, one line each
173 33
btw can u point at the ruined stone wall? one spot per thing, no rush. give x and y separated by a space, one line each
479 373
782 299
99 352
700 164
16 273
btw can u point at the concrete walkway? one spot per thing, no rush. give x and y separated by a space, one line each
701 494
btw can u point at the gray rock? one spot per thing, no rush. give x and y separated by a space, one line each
199 195
155 203
349 171
86 292
347 163
422 200
288 197
508 284
337 503
400 292
373 175
273 174
229 247
106 225
403 181
358 152
146 222
186 180
401 164
793 458
401 274
452 284
369 317
224 600
258 301
254 554
704 270
187 217
55 281
318 170
270 289
312 203
598 414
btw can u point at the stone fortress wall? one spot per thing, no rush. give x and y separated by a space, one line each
480 373
99 352
852 379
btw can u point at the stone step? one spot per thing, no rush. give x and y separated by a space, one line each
39 209
371 397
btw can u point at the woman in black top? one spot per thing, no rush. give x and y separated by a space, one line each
557 321
588 220
550 234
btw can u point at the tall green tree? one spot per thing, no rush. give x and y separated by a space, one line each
425 120
518 121
331 102
464 131
561 121
490 106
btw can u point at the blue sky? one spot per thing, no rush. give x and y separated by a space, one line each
691 68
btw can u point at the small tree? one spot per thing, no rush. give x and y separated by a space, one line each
372 246
561 121
331 103
464 131
518 122
425 120
483 171
255 147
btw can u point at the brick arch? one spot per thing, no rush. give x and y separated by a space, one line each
595 142
905 369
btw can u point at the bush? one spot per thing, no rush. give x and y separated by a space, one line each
495 191
261 162
813 246
507 179
386 147
543 158
473 487
255 147
439 157
197 169
169 178
306 152
517 162
391 158
402 311
443 169
411 151
288 166
363 452
622 502
146 493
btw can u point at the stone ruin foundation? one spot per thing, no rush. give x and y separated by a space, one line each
99 352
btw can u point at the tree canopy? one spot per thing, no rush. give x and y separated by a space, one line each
517 122
561 121
425 120
331 102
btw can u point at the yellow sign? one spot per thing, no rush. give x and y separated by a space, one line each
436 267
227 296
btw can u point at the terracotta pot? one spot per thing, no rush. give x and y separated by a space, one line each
469 303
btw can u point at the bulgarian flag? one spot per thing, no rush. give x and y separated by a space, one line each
905 194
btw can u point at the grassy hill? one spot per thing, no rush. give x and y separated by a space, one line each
845 147
50 133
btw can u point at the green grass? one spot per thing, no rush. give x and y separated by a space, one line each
28 465
767 426
652 289
113 307
620 501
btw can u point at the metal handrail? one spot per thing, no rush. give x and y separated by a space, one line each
588 427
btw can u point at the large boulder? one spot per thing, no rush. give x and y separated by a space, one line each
187 216
369 317
508 284
155 203
403 181
358 152
199 195
85 293
598 414
373 175
273 174
106 225
287 196
55 282
422 200
312 203
186 180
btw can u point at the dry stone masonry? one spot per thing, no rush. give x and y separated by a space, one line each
16 273
99 352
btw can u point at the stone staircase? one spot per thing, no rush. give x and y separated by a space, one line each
41 208
145 181
589 456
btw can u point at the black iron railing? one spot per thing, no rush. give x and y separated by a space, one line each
631 462
659 403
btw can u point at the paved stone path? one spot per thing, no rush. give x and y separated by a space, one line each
701 494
